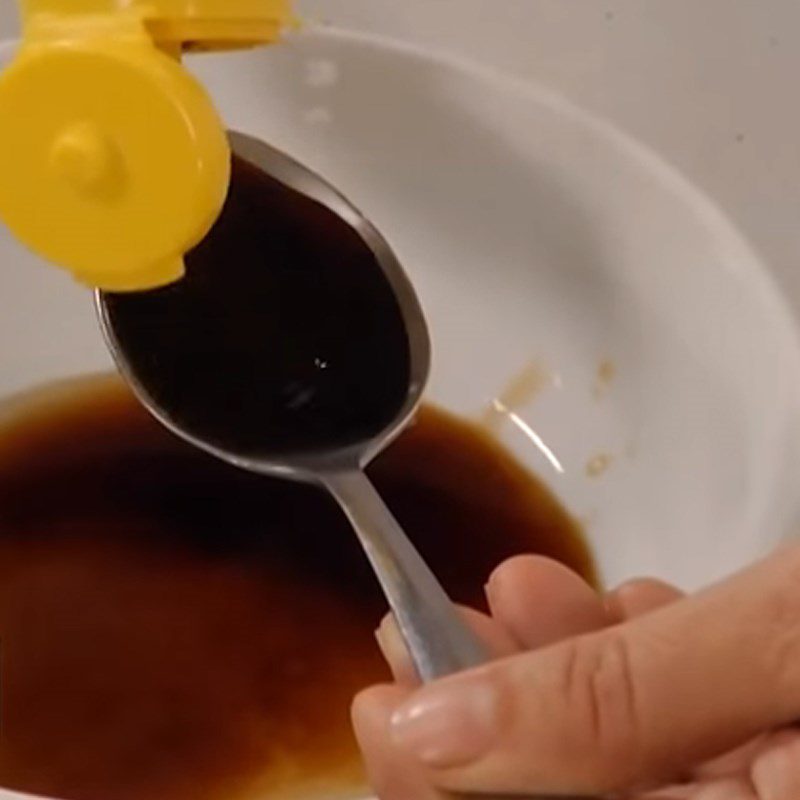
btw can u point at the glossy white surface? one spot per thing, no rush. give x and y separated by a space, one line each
534 232
707 83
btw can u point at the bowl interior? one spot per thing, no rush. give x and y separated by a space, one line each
585 300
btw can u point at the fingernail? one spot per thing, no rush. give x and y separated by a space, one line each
450 724
390 641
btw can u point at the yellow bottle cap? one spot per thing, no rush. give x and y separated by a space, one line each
114 162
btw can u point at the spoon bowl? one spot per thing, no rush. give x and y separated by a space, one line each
306 466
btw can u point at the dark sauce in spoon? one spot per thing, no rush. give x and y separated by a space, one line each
284 336
174 628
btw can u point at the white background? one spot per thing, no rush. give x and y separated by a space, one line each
711 84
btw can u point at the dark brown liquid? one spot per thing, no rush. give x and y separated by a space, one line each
285 334
175 629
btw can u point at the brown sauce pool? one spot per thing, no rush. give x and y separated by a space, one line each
175 629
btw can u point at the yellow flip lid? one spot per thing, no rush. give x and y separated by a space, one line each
113 161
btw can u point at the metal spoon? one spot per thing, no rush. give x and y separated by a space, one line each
438 640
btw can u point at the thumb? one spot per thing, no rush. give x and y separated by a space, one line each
633 704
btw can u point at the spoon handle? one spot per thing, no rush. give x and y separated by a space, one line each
439 641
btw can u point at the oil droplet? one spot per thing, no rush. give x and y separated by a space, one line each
598 465
606 374
520 391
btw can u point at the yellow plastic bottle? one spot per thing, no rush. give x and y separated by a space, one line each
113 161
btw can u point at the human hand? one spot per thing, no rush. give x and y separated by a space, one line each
626 695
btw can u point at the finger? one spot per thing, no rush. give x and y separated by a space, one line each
686 792
729 789
624 706
392 775
725 790
775 773
537 601
534 600
497 640
638 597
739 762
735 763
540 601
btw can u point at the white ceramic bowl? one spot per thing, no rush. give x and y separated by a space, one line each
535 233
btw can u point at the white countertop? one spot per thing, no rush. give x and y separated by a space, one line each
711 84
